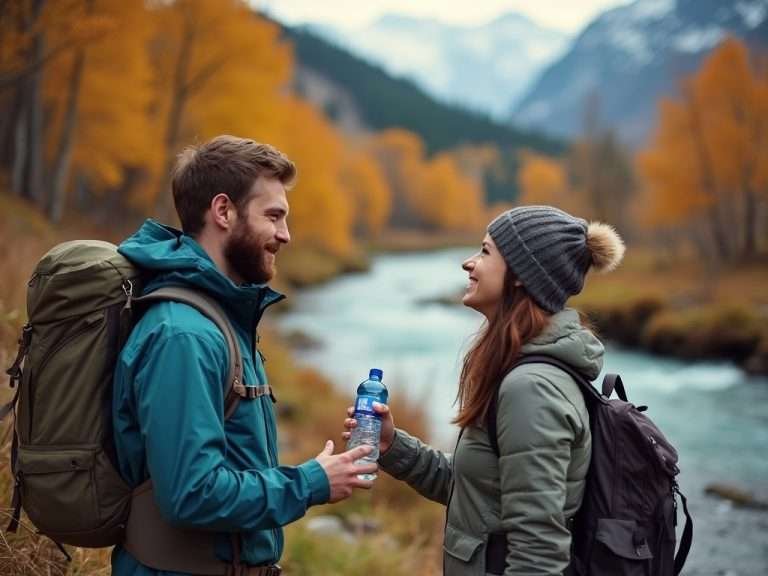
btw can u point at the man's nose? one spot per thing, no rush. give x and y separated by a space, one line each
282 234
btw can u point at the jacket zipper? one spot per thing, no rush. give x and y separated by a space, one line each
272 457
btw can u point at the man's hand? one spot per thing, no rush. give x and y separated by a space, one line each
342 471
387 426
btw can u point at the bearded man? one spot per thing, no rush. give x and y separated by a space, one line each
214 476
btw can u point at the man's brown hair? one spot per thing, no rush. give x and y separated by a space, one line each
225 165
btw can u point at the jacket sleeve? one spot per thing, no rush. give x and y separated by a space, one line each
537 426
425 469
179 402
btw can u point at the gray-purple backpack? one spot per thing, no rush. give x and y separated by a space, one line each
626 523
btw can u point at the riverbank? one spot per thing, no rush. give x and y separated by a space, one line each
683 310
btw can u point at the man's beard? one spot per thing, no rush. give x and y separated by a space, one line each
247 256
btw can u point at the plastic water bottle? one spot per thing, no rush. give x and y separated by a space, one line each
368 429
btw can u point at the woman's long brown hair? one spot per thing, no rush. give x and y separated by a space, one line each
518 320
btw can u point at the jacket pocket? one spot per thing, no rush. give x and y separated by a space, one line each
463 553
619 548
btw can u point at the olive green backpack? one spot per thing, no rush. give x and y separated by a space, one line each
80 307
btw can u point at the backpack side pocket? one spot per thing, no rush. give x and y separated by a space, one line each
619 550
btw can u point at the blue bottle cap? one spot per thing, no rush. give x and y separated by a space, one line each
376 373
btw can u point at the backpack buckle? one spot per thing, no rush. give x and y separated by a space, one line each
24 341
251 392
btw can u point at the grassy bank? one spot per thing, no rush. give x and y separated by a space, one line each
684 309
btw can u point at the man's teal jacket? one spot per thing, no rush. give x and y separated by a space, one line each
207 473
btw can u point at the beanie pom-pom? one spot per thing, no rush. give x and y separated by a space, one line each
606 246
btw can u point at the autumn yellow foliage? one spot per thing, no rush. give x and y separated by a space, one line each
706 169
110 91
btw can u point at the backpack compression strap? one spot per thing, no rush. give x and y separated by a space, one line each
687 538
208 307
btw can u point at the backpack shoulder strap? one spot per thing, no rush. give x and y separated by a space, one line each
589 391
687 538
214 312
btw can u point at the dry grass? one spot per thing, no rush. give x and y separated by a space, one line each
681 284
688 309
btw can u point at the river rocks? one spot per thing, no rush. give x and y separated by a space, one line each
758 362
348 529
329 526
442 300
302 341
735 495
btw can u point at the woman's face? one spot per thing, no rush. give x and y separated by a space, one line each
486 279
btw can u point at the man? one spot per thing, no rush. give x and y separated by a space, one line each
210 474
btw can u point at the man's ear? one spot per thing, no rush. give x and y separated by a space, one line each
222 212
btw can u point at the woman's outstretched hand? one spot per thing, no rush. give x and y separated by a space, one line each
387 425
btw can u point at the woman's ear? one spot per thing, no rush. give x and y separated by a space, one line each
518 283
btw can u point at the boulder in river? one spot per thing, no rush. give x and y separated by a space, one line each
739 497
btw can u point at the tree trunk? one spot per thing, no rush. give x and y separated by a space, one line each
36 158
750 223
20 150
707 178
179 95
67 142
9 115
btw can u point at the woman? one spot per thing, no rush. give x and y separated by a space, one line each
532 260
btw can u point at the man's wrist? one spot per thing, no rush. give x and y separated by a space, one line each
317 479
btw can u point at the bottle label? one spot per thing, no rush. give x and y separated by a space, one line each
364 405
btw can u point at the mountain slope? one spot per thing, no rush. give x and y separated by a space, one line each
362 93
483 67
632 55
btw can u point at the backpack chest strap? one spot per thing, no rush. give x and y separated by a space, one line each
252 392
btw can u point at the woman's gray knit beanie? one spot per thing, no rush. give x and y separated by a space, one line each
547 250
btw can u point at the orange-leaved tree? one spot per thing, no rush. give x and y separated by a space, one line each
544 180
433 193
364 180
218 68
707 166
450 200
98 97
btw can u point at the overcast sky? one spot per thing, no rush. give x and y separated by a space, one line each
567 15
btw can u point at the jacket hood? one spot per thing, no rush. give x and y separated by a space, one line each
566 339
173 258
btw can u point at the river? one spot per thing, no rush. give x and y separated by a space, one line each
714 414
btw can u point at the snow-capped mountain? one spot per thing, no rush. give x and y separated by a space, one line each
630 56
485 68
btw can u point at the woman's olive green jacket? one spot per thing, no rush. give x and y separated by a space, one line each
537 484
